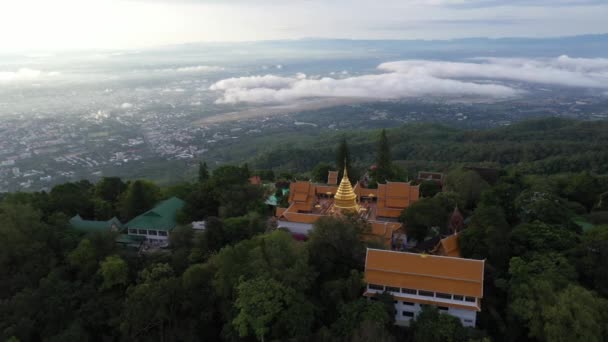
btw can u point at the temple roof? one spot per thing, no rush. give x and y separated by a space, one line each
425 272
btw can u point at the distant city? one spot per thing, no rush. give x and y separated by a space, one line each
112 114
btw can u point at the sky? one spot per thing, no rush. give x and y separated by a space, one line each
43 25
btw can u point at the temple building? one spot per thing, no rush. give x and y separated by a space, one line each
380 207
453 285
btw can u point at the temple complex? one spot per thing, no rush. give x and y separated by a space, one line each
380 207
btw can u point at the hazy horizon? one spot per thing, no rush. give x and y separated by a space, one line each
136 24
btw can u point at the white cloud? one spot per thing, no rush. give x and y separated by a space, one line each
24 74
126 105
481 77
193 69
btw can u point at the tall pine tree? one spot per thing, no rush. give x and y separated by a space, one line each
384 167
203 172
343 159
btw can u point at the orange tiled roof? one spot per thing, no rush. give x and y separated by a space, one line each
425 272
384 231
397 195
332 178
302 192
449 246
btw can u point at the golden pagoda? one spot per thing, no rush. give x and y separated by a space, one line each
345 198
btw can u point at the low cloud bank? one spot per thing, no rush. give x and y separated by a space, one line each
25 74
479 77
193 69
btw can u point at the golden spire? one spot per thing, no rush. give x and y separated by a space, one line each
345 197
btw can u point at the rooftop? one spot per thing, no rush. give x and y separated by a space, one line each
425 272
90 226
161 217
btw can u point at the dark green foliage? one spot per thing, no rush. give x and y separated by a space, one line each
72 199
591 258
433 326
539 237
468 185
335 248
203 172
384 166
320 172
429 188
487 236
344 159
140 197
426 213
109 189
239 279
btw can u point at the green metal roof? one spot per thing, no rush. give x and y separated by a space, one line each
94 226
161 217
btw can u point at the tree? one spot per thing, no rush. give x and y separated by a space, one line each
320 172
384 167
584 189
72 199
468 185
151 309
538 237
230 175
109 189
432 326
343 159
576 315
200 203
335 247
203 172
114 272
263 303
426 213
181 237
353 314
543 206
140 197
487 236
84 257
533 286
591 258
429 188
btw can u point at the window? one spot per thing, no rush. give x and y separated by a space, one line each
392 289
468 321
444 308
443 295
132 231
408 303
458 297
395 302
426 293
408 291
142 231
162 233
152 232
375 287
470 299
407 314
